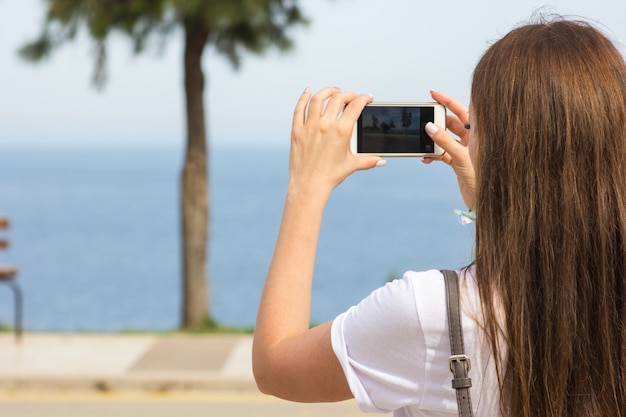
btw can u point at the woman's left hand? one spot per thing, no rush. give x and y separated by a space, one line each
457 152
320 139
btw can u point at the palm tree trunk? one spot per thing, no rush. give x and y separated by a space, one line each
195 182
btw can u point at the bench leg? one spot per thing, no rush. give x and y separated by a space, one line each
17 327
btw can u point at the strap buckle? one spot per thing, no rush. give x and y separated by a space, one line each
459 358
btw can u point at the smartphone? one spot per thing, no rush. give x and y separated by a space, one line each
397 129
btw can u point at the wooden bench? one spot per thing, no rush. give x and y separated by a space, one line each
8 274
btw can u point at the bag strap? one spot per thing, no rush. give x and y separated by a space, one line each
459 363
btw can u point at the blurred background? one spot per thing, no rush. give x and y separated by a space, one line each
90 178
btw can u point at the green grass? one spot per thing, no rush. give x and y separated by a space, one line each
210 325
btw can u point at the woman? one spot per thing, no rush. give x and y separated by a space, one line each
543 164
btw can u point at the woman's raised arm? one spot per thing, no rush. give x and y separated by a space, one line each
290 360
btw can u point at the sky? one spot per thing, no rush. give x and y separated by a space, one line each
396 50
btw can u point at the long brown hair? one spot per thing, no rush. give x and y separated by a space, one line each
549 103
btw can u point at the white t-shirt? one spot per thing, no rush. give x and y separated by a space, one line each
394 348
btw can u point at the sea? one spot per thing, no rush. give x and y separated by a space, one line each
96 239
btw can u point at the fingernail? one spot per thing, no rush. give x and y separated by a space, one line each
306 90
380 163
431 128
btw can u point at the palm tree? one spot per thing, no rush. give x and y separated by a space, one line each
229 26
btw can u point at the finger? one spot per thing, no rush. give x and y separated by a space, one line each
354 109
446 158
453 148
457 127
337 104
316 104
299 112
453 105
454 124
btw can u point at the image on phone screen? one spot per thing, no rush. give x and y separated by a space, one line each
394 130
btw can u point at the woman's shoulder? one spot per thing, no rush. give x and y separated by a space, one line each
435 276
429 291
432 281
417 296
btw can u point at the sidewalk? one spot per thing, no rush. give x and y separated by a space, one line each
113 362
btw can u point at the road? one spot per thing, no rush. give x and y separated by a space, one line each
139 404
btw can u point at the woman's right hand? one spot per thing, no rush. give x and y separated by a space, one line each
456 152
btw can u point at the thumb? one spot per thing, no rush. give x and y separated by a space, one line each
445 141
369 162
457 155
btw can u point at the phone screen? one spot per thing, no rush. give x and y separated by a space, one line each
394 129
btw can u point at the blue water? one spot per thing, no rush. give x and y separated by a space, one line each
96 239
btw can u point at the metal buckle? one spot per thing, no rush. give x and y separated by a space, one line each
459 358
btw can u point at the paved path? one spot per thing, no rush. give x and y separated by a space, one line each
126 362
129 375
198 404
